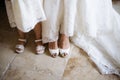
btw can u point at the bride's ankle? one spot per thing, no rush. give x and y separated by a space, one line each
64 42
53 45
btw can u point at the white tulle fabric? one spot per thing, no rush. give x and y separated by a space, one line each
95 28
25 14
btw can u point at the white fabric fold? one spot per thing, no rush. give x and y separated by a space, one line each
96 31
25 13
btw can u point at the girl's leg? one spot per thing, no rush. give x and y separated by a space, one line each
21 35
21 42
38 34
64 45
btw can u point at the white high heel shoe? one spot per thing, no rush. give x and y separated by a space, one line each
54 52
64 52
20 47
40 49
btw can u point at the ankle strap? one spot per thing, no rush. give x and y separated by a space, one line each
38 40
24 40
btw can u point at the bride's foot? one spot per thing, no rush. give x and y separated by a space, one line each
40 49
53 48
20 46
64 45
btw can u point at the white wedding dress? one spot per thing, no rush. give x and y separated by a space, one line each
96 29
25 14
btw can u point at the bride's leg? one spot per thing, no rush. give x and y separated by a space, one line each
67 28
51 25
38 34
53 48
64 45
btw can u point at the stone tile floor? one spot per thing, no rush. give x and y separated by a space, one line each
28 66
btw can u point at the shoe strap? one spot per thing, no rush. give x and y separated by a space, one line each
20 46
64 50
38 40
39 47
53 51
23 40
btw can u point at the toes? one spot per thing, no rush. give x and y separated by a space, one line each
18 51
54 55
64 54
40 49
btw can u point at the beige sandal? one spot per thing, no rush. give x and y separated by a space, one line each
20 47
40 49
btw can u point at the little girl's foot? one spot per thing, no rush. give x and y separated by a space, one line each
40 49
20 46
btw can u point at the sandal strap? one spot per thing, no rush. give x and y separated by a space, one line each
62 51
54 51
23 40
20 46
38 40
39 47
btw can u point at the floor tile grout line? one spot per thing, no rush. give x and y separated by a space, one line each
7 67
66 65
